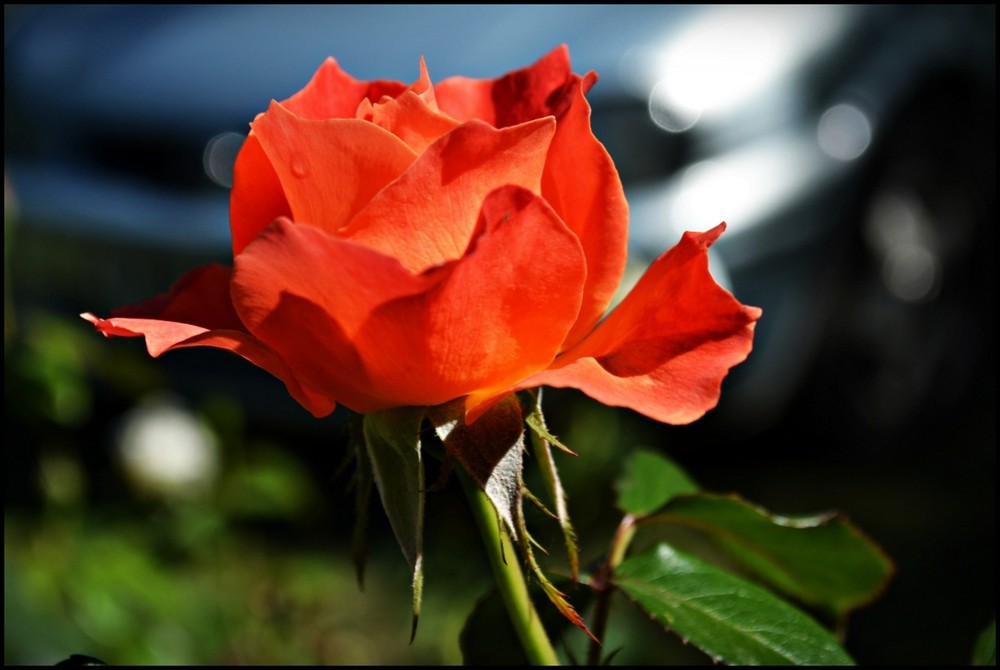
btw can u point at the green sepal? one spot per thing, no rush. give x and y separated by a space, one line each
392 438
541 439
555 596
490 450
536 421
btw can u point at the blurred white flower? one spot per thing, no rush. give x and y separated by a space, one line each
166 450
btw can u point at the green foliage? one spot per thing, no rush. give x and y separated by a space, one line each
985 651
271 484
730 619
823 561
121 591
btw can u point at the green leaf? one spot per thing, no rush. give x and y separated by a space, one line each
823 561
731 620
649 481
393 441
985 651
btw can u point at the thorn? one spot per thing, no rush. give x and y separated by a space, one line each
413 627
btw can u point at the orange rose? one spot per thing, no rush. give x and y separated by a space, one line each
403 245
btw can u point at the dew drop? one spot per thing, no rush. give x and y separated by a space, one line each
298 168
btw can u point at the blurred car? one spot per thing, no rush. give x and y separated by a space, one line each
851 149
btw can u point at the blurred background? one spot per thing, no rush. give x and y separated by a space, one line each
185 510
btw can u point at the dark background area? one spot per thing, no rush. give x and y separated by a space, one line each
864 394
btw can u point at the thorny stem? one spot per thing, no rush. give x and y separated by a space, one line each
509 578
600 583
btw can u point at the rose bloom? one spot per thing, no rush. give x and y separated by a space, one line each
401 245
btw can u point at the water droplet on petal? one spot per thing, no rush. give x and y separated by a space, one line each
298 168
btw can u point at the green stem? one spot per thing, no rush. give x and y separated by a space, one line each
509 578
601 584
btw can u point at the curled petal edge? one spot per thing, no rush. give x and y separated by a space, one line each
665 349
201 296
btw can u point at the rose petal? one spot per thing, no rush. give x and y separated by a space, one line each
413 116
516 97
334 94
592 204
329 170
257 198
503 309
411 119
195 312
427 216
666 348
307 294
359 326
